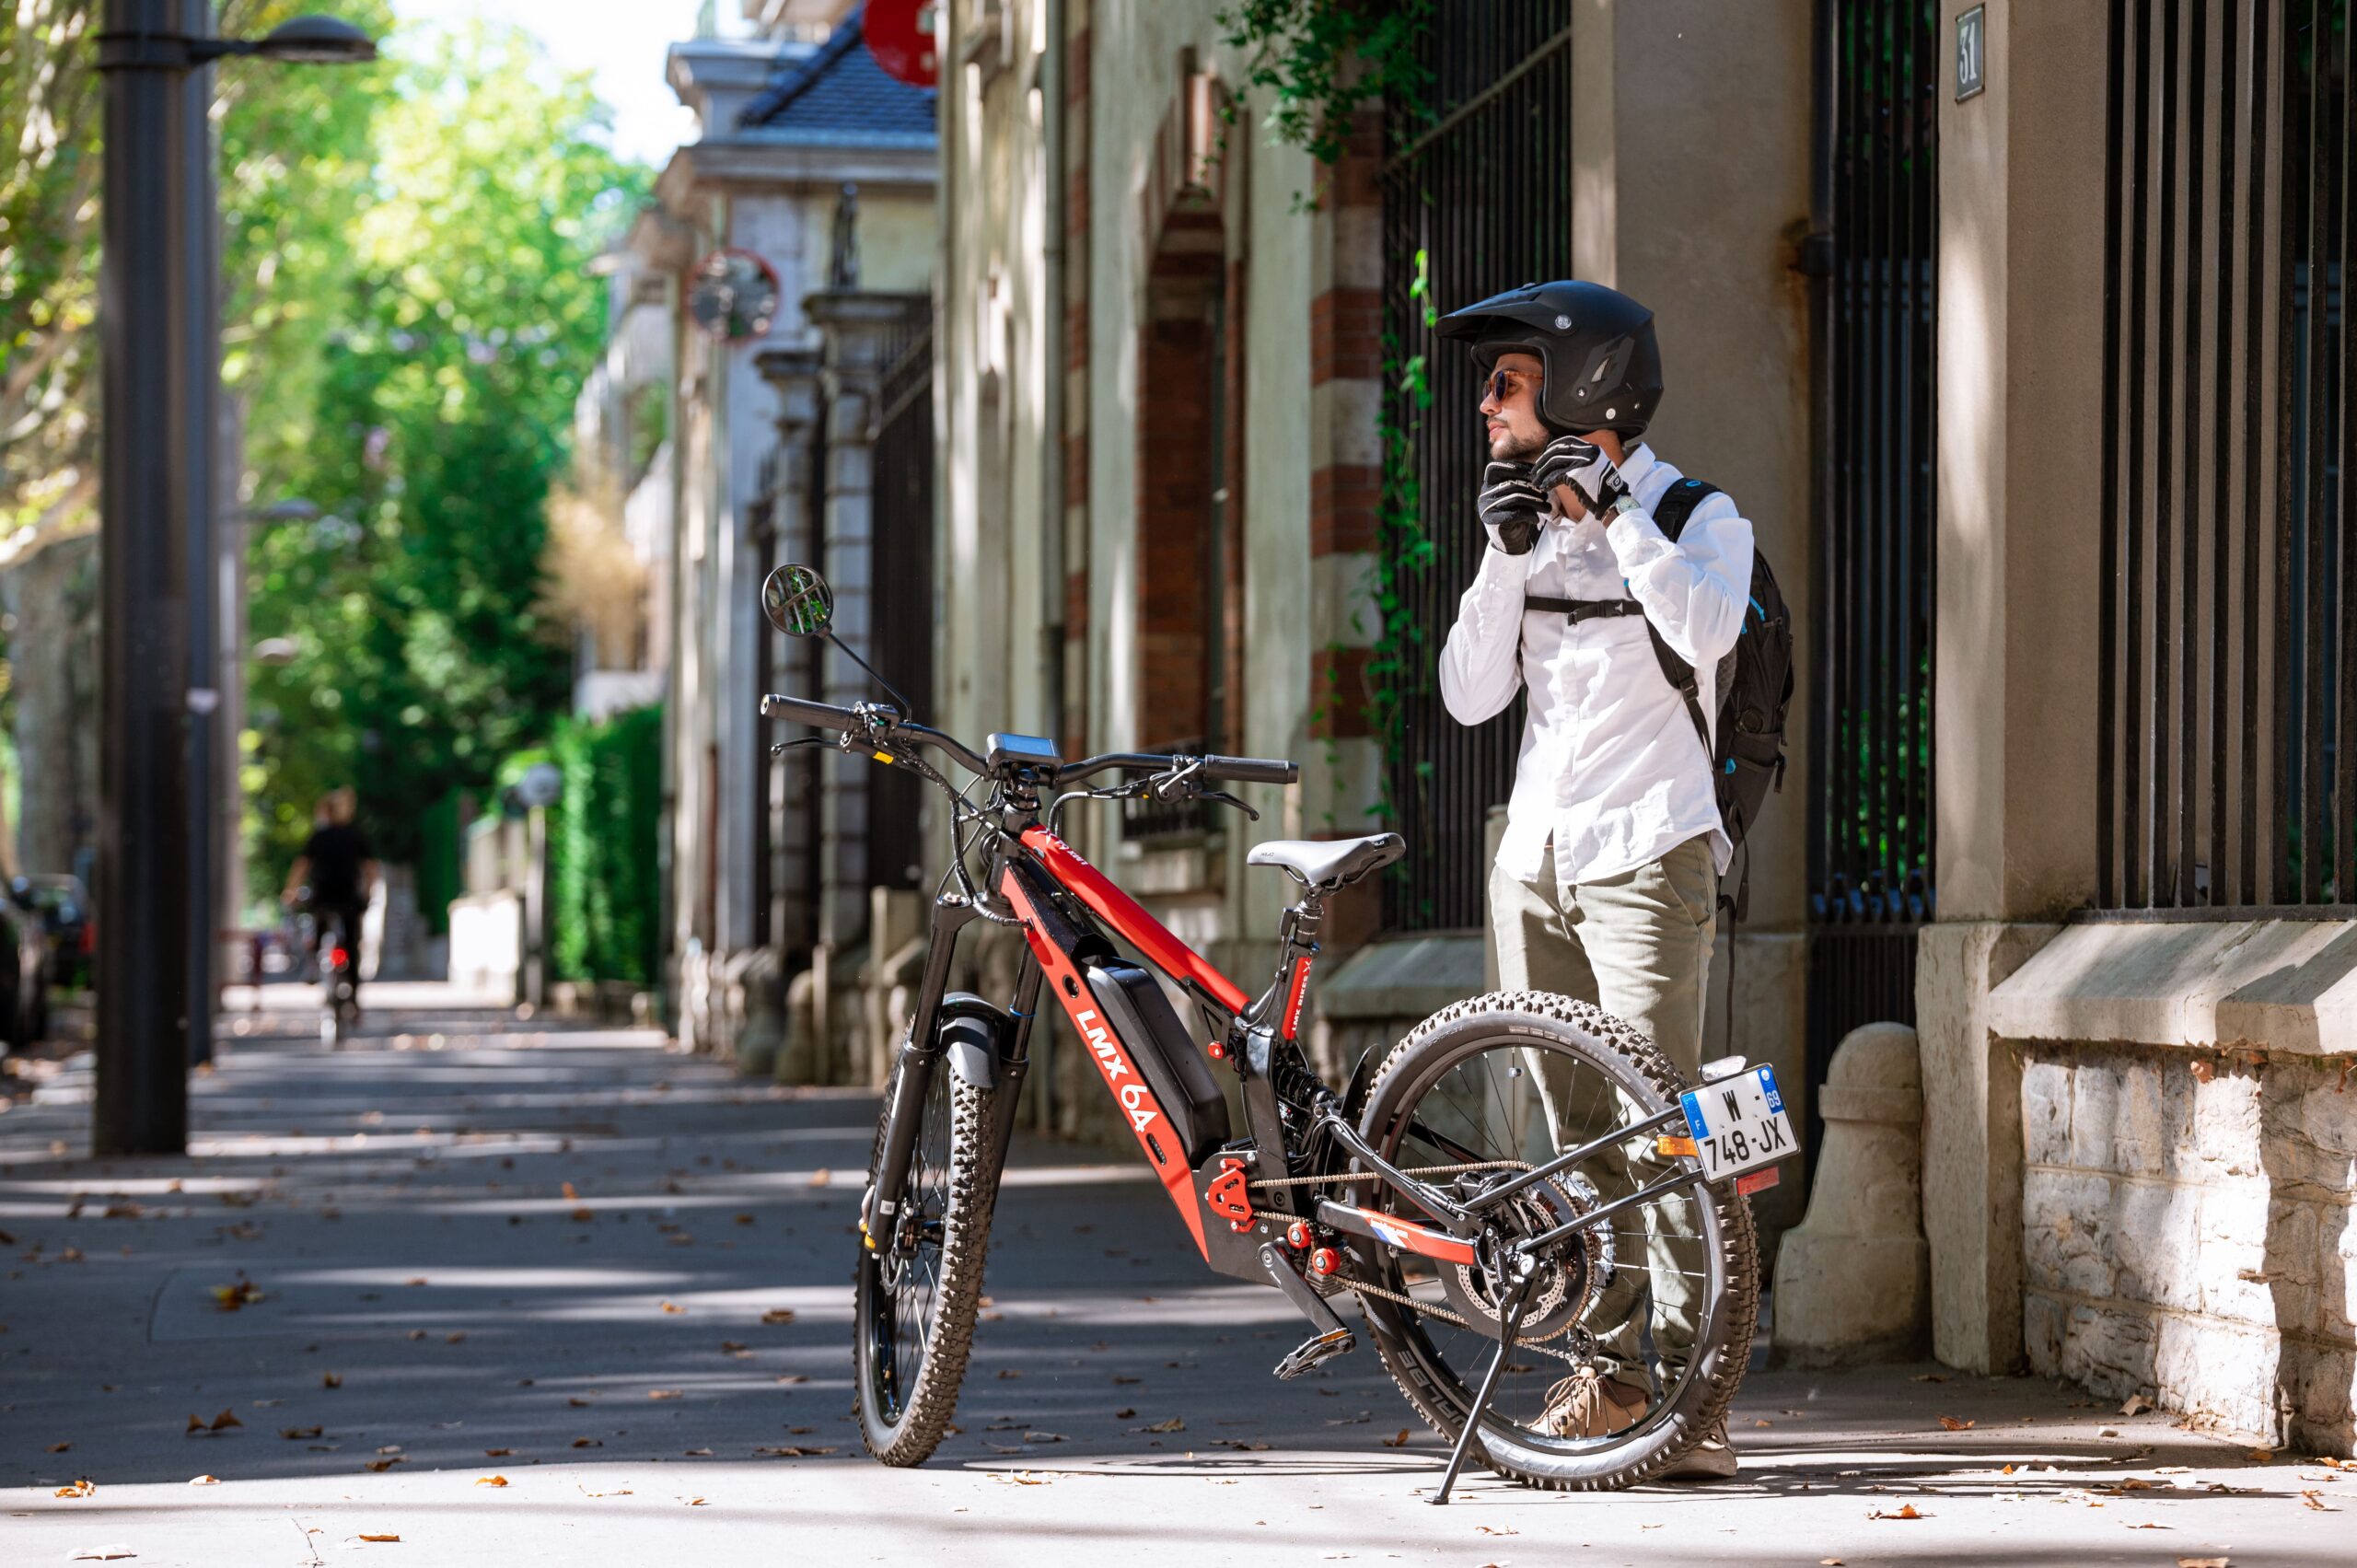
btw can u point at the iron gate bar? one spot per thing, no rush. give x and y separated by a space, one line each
2254 305
2345 871
2171 833
2222 424
1479 187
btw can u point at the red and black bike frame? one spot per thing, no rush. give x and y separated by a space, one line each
1065 907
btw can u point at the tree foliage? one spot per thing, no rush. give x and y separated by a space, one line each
446 379
50 111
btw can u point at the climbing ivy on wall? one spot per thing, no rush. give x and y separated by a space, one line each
1320 61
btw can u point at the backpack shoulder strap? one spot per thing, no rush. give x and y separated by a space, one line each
1671 516
1679 506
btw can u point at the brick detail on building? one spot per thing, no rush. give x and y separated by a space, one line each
1342 498
1175 480
1339 693
1346 335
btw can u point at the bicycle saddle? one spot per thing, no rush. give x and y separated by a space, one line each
1330 863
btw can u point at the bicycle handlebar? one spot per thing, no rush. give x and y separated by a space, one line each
826 716
1237 770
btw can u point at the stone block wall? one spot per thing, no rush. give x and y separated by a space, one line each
2187 1234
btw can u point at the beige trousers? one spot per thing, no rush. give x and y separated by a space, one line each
1638 945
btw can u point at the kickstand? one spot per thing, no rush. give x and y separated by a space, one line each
1514 1305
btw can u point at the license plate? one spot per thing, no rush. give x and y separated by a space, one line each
1739 1123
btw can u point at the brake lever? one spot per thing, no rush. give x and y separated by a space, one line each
780 748
1221 798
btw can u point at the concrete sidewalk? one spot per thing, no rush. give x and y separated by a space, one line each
615 1278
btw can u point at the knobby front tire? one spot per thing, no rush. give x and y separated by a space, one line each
910 1343
1432 1362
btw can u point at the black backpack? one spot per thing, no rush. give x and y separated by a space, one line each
1754 681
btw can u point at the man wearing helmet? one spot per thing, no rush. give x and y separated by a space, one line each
1606 884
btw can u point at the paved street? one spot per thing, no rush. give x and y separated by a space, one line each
525 1294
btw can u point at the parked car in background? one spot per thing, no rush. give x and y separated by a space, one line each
64 907
24 972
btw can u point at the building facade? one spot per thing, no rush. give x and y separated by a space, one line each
2016 329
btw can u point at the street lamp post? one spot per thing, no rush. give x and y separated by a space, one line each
159 443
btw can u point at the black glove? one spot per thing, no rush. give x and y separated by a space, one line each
1512 507
1567 459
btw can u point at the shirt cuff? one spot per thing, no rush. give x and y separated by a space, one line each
1636 540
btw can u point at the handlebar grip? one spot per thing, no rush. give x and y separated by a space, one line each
801 710
1251 769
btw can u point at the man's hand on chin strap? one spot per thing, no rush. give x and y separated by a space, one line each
1511 506
1568 459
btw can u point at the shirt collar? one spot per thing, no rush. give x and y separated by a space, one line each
1638 463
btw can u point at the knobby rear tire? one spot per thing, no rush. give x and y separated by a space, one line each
930 1399
1723 1348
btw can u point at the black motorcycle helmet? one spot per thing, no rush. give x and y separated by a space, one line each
1603 368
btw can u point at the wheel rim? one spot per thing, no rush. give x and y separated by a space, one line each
902 1273
1511 1098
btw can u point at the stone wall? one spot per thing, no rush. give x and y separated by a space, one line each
2187 1233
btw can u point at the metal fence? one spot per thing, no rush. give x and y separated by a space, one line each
1476 200
1870 678
904 597
2228 716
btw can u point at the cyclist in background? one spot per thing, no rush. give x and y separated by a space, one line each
335 875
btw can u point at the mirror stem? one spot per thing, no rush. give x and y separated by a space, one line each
891 691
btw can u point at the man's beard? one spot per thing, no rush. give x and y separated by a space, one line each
1517 448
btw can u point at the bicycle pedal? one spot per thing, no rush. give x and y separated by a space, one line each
1315 1352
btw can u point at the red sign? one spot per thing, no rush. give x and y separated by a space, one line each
899 34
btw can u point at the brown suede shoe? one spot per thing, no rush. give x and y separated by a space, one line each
1587 1404
1711 1459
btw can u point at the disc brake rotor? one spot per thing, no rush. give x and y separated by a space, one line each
1571 1275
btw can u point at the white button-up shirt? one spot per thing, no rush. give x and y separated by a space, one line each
1610 770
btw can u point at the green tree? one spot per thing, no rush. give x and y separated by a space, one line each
444 401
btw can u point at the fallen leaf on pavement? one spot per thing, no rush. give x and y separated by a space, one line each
230 1297
1907 1511
696 1501
1176 1424
1930 1377
297 1432
1021 1477
791 1451
2204 1561
673 1306
588 1443
385 1536
497 1453
82 1488
1398 1442
2137 1405
2315 1501
1125 1412
1240 1446
205 1480
331 1379
778 1314
1955 1425
821 1177
696 1453
2262 1455
100 1554
1497 1529
379 1467
577 1403
60 1448
583 1216
570 1194
491 1480
1008 1371
730 1347
1828 1562
618 1492
456 1336
419 1281
662 1393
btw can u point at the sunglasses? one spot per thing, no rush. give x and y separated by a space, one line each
1500 385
